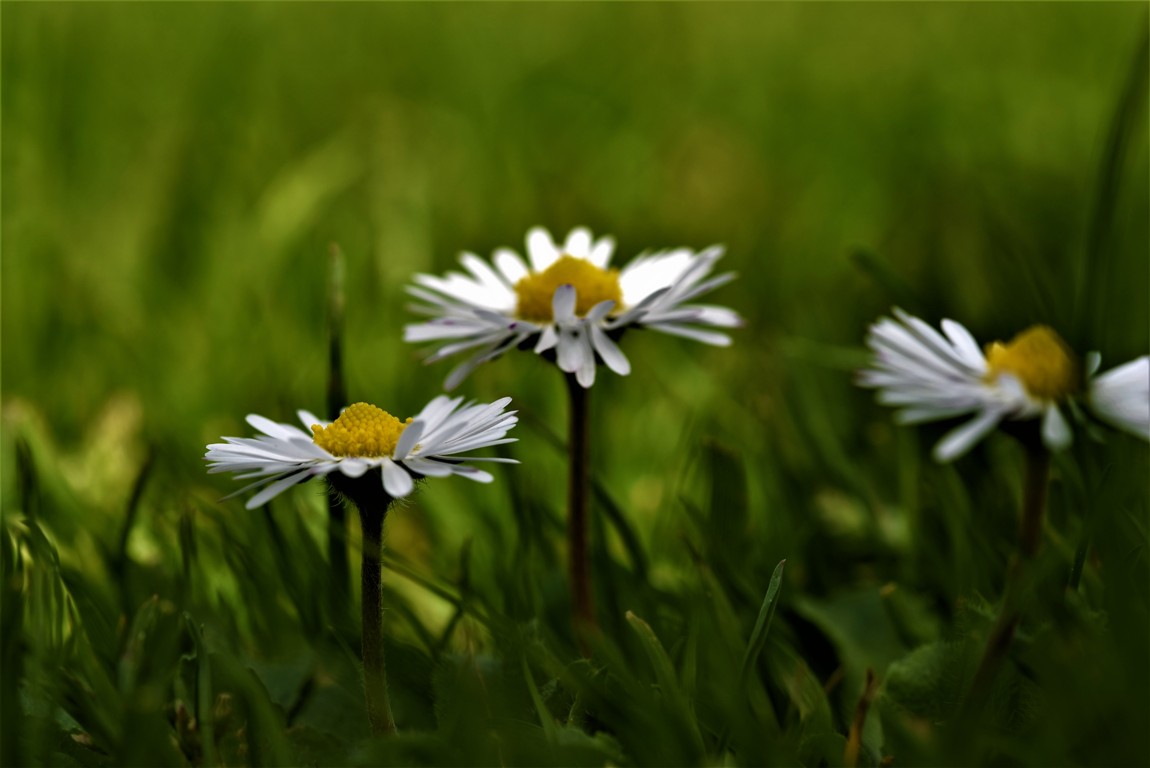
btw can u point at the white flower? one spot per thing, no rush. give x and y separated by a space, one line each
362 438
568 300
931 376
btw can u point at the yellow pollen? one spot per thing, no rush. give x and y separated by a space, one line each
592 285
361 430
1038 358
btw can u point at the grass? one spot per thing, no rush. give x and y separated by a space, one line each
173 176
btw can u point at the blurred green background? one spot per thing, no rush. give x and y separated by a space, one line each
173 175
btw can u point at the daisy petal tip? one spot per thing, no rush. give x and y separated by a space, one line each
585 376
479 476
397 481
943 455
1056 433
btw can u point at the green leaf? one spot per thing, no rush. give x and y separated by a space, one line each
678 706
927 681
545 719
763 625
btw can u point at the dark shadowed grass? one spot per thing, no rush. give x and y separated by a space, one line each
173 176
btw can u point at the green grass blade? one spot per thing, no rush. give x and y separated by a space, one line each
205 701
762 625
550 730
678 706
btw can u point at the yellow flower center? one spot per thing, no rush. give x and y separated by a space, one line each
1038 358
592 285
361 430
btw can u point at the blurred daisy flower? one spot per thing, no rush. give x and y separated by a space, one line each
931 376
362 439
569 302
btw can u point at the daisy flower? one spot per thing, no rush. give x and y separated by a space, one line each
362 439
568 302
931 376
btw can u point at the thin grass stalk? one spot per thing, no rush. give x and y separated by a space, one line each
1079 563
854 738
1094 481
578 485
1092 311
336 399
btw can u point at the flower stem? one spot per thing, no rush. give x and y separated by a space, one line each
578 477
1029 539
374 669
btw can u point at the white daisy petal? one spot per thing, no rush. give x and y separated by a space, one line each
1091 363
281 451
578 243
486 276
396 480
610 352
1010 394
441 302
462 445
272 428
636 313
902 343
569 351
720 317
563 304
921 415
929 380
437 410
547 339
1055 431
511 265
601 252
649 273
681 295
960 440
492 351
468 290
494 459
964 344
428 467
276 488
541 249
461 372
446 328
931 340
489 340
585 372
251 487
1121 397
707 337
599 311
471 473
408 439
354 467
307 418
